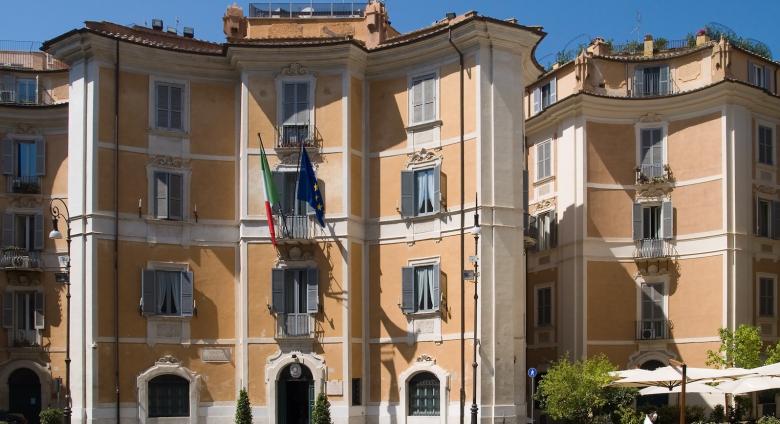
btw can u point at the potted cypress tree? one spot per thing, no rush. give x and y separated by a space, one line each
321 412
243 409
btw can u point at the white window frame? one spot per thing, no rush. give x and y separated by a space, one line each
411 79
167 365
423 166
652 280
537 288
648 205
537 177
539 230
429 261
424 364
154 80
754 68
27 80
154 322
773 127
769 217
24 289
186 174
307 78
664 126
773 277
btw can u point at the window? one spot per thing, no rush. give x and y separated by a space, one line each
758 75
23 316
420 290
423 99
546 226
170 99
287 186
543 306
764 211
24 231
766 297
653 322
356 386
168 195
167 293
296 114
651 81
24 162
545 95
169 396
27 91
295 298
424 396
543 160
765 145
651 153
421 191
653 221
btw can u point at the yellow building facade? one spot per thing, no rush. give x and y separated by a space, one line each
652 189
180 298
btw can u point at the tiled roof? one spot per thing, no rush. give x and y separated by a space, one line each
154 38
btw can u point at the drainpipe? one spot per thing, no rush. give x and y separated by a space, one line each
116 229
462 246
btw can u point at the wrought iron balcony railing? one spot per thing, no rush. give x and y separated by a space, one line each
653 329
293 228
25 184
653 174
41 98
307 9
16 258
295 326
293 136
652 248
27 55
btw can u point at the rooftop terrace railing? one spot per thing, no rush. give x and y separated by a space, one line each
307 10
27 55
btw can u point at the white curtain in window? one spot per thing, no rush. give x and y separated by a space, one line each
168 289
422 191
424 279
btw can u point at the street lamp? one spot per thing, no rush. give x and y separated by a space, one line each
475 231
55 234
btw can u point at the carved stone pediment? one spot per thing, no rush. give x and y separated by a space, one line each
26 129
423 156
652 192
426 358
294 69
169 162
651 117
760 188
26 201
168 360
543 205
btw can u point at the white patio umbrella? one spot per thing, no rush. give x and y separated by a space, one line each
768 370
697 387
749 384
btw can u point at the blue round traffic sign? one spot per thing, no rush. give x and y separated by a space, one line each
532 372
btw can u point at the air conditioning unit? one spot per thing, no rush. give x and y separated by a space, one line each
648 333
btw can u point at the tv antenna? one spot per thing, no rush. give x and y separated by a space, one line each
638 26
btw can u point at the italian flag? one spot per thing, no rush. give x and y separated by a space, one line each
270 193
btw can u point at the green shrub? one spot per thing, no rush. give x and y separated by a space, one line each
718 414
627 415
321 412
51 416
769 420
243 408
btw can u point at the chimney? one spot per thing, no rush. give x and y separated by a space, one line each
234 23
702 37
189 32
157 24
376 22
599 47
648 46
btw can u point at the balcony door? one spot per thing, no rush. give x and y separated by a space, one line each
653 323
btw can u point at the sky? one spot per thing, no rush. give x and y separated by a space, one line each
568 23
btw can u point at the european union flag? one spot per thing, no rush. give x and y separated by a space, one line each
309 189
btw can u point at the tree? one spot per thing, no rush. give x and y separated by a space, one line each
321 412
739 348
243 409
577 391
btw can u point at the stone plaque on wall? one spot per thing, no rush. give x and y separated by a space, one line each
215 354
335 388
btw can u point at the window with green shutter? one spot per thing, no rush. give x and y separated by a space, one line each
168 195
423 99
169 101
167 293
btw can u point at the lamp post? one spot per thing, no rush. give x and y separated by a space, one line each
55 234
475 232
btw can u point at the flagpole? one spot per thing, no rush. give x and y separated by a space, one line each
281 209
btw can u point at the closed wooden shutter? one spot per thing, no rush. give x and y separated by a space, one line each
8 309
40 157
436 295
429 99
637 215
553 229
312 290
667 216
148 291
417 101
8 156
38 230
407 289
776 219
187 294
663 82
553 90
175 196
162 106
639 82
176 101
8 229
407 193
39 311
277 290
161 195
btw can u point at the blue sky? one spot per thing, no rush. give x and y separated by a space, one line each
563 20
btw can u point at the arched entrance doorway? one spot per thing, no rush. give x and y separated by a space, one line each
294 394
652 400
24 389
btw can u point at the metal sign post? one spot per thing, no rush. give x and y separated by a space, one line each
532 374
